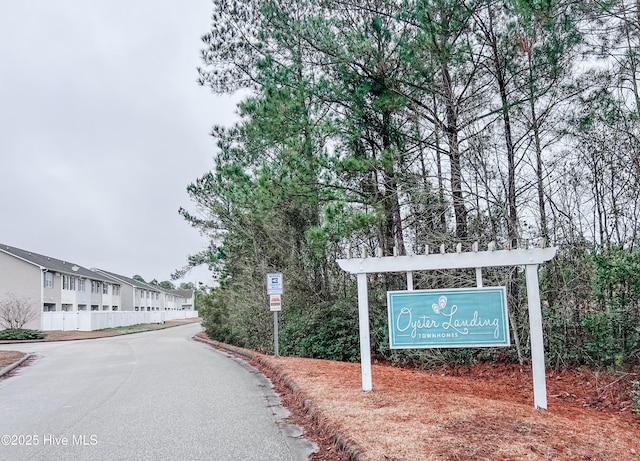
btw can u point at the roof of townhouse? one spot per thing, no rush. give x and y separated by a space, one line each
52 264
183 293
127 280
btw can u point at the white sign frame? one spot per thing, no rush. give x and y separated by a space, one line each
530 258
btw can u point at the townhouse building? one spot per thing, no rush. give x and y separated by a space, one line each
184 299
140 296
53 285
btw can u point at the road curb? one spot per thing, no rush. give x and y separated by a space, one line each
14 365
344 445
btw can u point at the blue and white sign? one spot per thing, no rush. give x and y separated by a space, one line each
465 317
275 284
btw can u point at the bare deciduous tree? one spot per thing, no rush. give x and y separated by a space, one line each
16 312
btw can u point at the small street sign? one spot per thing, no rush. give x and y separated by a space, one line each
275 284
275 302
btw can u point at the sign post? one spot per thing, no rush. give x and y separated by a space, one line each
275 289
438 321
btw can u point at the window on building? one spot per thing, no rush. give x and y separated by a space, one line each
48 280
116 290
94 307
48 307
68 282
81 285
105 308
105 288
82 307
114 308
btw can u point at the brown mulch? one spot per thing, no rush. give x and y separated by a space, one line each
9 357
478 412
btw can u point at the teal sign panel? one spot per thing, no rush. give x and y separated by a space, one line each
465 317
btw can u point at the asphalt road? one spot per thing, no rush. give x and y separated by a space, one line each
150 396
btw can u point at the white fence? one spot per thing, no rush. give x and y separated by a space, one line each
98 320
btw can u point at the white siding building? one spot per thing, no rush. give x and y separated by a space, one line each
53 285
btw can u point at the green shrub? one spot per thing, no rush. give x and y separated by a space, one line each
614 335
21 334
215 318
328 331
601 342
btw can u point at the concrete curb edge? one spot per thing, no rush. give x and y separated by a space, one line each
15 365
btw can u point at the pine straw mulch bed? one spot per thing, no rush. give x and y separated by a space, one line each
479 412
9 357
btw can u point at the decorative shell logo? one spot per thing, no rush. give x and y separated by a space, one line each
442 303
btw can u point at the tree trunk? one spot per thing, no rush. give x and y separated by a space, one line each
512 215
544 227
451 129
393 225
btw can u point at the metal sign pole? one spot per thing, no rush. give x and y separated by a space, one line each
275 333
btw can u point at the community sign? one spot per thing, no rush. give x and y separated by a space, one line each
465 317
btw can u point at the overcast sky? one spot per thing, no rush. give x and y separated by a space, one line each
102 128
